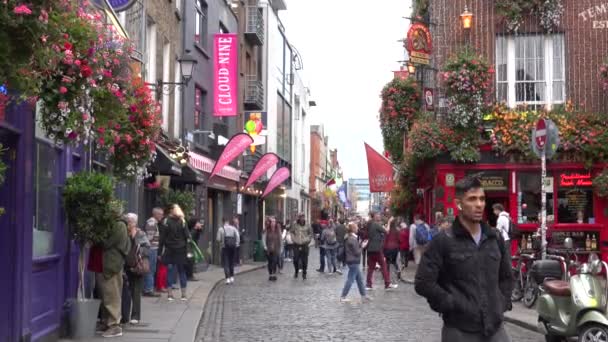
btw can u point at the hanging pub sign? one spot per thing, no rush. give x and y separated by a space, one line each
117 5
419 44
575 179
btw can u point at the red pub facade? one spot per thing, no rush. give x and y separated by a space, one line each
536 68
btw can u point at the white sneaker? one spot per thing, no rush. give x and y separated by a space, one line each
369 288
227 281
344 300
134 321
391 286
231 280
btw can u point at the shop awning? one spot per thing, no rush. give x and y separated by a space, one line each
191 175
164 164
206 164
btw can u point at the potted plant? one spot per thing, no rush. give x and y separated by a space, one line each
91 210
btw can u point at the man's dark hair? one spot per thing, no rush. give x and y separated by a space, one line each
192 222
498 206
466 184
342 221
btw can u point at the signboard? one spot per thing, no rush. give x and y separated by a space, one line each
575 179
552 140
449 179
239 204
493 180
428 99
419 43
596 16
540 135
225 74
117 5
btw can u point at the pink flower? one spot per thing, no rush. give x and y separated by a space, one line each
44 16
43 38
111 150
72 135
128 138
116 139
101 130
101 141
77 62
63 89
131 118
133 108
85 116
117 127
22 9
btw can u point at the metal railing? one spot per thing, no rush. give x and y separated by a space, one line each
254 28
254 92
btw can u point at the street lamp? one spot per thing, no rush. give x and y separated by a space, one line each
411 68
466 18
186 66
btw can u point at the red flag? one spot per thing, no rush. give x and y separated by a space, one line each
380 171
331 182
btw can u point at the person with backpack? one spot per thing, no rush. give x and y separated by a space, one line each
271 240
420 235
173 248
137 266
341 233
302 235
465 274
330 244
503 224
229 239
353 261
151 229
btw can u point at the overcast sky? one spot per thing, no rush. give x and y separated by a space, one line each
349 49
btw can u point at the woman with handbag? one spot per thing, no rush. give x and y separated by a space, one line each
137 265
271 240
173 248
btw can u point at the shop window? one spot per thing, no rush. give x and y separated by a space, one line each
46 199
575 198
529 198
200 33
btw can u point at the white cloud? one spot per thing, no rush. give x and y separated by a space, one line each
349 50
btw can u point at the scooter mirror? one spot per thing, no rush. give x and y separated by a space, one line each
568 243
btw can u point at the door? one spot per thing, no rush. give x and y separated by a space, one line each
8 239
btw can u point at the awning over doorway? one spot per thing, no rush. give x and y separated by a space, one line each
164 164
206 164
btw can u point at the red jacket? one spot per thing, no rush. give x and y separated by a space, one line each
404 239
392 240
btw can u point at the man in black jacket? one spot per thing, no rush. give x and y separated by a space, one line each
466 273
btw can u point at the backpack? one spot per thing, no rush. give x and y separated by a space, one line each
331 237
514 232
136 262
229 241
422 234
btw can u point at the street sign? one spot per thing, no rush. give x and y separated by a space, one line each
540 135
552 140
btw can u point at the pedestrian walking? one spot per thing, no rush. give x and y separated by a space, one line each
375 256
302 235
420 235
391 248
195 226
229 239
352 252
322 251
404 244
363 236
271 240
316 227
288 244
330 244
465 275
138 260
281 257
173 249
153 234
107 260
341 233
237 224
503 224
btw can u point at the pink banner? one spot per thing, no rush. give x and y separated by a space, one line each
278 177
235 146
225 74
266 162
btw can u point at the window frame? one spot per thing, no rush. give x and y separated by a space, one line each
201 18
549 42
199 108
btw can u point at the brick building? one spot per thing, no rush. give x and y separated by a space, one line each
567 61
318 168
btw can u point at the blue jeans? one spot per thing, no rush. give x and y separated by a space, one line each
149 277
330 253
183 277
354 273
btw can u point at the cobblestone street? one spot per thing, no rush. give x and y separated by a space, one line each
254 309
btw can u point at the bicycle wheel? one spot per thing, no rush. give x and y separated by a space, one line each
530 293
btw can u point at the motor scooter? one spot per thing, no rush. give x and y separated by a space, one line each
575 307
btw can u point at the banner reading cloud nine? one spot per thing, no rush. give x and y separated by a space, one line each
225 74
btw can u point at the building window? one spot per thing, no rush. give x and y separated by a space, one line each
575 198
529 198
199 101
200 32
46 200
178 6
530 69
223 29
283 129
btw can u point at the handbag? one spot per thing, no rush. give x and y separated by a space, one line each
194 252
141 265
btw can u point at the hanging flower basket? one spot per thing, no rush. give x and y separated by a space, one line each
600 184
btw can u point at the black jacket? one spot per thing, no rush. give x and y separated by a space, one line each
469 285
173 234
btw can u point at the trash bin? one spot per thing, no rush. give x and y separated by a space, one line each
258 253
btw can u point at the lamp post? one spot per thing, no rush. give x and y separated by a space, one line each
466 18
186 66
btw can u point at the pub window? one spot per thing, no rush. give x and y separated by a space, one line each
46 199
200 29
529 198
575 198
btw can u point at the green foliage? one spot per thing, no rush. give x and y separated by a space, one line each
600 184
90 206
549 12
185 199
420 8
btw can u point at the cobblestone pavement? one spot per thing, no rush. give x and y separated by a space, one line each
254 309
